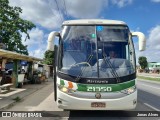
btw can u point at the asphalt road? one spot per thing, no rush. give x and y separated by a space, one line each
149 94
148 100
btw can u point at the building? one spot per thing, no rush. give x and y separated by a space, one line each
153 66
15 58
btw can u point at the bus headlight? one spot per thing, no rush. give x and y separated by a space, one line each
65 89
129 90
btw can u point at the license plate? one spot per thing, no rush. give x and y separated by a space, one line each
98 104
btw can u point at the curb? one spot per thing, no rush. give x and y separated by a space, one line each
8 106
21 97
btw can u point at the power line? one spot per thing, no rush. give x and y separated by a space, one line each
59 11
58 18
65 7
50 6
52 10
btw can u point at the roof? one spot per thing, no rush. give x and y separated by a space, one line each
17 56
93 22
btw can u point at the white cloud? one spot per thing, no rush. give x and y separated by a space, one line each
36 37
122 3
155 0
154 37
39 53
85 8
37 43
152 51
46 14
39 12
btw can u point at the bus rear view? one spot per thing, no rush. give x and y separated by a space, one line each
95 66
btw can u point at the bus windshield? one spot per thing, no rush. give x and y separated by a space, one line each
96 51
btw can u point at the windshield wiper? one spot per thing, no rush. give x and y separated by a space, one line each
113 71
83 68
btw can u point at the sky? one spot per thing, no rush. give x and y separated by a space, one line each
48 15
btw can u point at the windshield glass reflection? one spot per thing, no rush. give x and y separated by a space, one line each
91 53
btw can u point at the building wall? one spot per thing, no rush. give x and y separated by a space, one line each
152 66
47 70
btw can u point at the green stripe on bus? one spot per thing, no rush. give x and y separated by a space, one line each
62 82
115 87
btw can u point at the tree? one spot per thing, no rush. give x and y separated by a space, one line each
12 26
143 62
48 57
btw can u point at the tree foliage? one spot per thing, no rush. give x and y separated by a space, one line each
48 57
12 26
143 62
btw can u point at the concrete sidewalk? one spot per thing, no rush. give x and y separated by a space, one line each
6 100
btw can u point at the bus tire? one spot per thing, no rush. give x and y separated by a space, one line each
20 85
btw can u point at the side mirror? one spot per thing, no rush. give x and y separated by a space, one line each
142 40
51 38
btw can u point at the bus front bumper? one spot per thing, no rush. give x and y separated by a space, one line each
69 102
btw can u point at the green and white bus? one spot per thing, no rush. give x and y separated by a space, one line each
95 67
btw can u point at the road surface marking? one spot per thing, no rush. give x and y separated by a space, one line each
150 86
151 107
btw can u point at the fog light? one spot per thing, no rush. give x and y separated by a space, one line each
64 89
129 90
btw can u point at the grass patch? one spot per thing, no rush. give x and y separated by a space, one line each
17 99
149 78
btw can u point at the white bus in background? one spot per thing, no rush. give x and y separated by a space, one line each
87 76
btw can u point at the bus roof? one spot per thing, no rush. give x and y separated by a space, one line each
93 22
